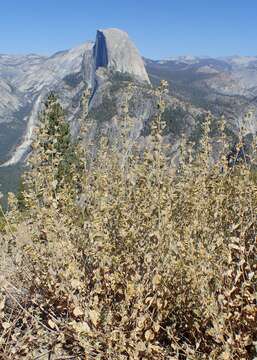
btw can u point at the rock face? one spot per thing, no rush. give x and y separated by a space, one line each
26 80
115 51
224 86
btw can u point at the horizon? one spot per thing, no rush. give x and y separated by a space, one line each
154 59
160 31
177 56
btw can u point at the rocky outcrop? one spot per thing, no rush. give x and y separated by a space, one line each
26 80
115 51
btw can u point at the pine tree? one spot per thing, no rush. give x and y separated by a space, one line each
54 163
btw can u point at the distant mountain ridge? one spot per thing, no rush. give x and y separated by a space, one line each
223 85
236 60
197 84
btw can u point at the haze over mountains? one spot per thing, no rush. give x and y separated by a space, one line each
223 86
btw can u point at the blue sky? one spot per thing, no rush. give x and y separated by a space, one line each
160 28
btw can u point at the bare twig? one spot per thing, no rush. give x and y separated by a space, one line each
28 313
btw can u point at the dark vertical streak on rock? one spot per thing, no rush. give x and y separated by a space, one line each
100 51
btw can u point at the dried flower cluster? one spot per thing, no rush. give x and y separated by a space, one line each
123 257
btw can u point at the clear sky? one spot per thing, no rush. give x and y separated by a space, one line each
160 28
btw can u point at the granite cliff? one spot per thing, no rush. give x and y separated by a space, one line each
115 51
107 66
26 81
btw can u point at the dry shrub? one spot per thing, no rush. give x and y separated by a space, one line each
137 262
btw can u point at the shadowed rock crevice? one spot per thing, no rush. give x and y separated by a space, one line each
100 51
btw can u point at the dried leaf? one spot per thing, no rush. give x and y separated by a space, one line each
51 324
78 311
149 335
94 317
6 325
157 279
